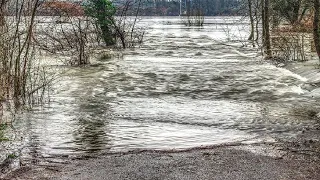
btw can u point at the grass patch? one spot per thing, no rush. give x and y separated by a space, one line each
12 156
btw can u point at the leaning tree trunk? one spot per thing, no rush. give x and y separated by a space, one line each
316 28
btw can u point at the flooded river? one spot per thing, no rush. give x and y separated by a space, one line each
184 87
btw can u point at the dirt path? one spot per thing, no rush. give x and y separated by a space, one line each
232 162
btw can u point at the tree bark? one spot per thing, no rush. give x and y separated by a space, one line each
3 4
316 29
266 27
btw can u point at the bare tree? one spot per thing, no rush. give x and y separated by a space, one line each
17 50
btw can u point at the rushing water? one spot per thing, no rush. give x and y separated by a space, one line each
184 87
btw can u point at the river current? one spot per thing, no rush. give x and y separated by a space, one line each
184 87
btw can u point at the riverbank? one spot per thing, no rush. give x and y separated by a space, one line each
255 161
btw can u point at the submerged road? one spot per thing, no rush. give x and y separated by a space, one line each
185 87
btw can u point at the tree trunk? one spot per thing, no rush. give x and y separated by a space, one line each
251 36
257 18
316 29
3 51
263 21
2 13
2 17
266 28
188 4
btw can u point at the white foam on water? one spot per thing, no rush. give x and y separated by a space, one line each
286 72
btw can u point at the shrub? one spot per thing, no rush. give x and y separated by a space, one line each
102 11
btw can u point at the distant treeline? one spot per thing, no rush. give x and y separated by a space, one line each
148 7
208 7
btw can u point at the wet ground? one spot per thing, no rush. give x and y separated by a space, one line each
224 162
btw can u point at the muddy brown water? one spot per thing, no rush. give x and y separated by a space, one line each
184 87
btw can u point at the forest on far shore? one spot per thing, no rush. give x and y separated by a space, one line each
208 7
152 8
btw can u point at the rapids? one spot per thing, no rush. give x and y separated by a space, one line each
184 87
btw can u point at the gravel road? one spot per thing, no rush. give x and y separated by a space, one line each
224 162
